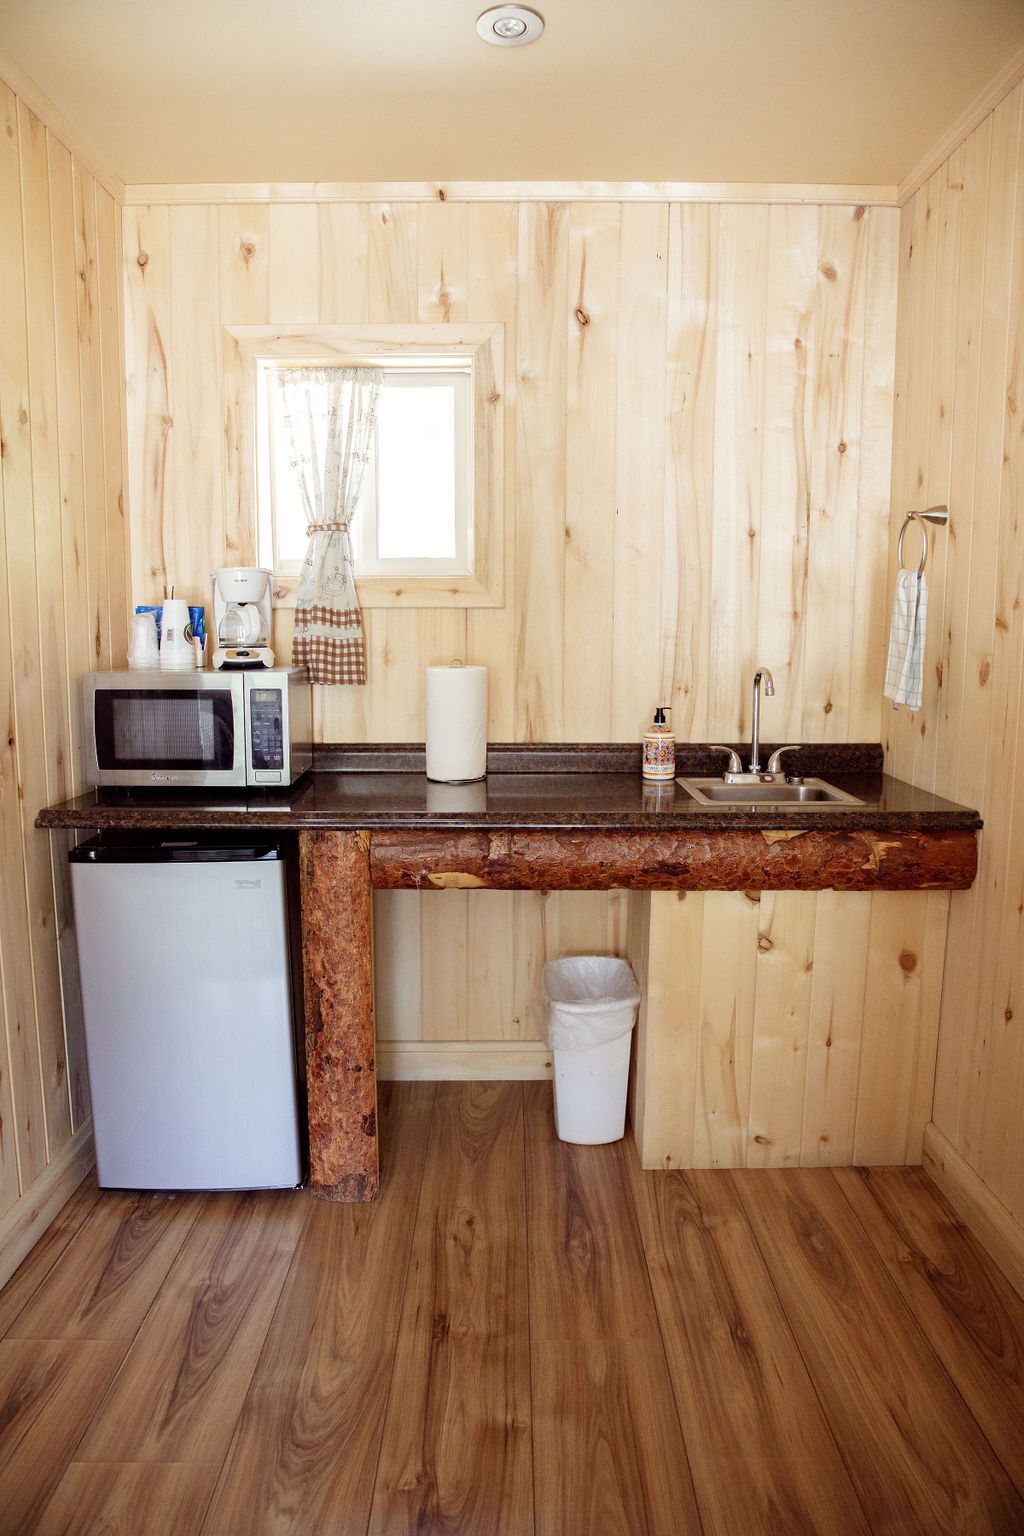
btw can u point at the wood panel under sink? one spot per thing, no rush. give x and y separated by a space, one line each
785 1028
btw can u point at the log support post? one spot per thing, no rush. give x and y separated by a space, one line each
337 966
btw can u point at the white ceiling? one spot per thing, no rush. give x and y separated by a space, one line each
377 90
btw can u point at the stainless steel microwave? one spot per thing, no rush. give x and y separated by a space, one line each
206 730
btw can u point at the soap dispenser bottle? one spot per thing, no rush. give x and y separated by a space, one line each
659 748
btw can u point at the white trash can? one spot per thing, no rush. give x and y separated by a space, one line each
592 1003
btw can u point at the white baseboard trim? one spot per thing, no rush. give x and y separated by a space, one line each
462 1060
995 1227
24 1224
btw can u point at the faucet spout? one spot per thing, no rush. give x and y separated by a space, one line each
762 675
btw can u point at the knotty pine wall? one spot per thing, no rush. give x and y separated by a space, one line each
698 432
785 1028
959 424
63 607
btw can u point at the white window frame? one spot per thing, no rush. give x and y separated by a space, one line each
366 529
369 561
476 578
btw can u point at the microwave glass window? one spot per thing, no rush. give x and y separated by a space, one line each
170 729
181 728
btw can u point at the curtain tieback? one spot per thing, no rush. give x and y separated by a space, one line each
312 528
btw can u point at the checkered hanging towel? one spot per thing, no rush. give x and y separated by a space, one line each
330 415
904 667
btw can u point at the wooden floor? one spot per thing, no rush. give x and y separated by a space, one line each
519 1337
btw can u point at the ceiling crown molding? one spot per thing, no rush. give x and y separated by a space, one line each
172 193
1001 85
26 90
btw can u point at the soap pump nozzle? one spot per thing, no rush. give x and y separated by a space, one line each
660 713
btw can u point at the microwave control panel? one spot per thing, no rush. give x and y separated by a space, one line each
266 727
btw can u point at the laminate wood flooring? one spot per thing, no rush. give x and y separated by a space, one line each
521 1338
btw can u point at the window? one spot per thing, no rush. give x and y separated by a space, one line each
431 531
414 515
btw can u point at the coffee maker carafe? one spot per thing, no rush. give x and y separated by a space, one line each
241 617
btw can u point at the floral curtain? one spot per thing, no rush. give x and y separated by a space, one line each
330 415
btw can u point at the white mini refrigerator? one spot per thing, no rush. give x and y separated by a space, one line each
185 959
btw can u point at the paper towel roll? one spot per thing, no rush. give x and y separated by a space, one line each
456 723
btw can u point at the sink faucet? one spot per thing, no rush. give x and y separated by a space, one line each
762 675
774 772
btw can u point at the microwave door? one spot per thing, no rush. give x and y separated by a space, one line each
156 730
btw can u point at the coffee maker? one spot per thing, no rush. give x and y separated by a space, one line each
241 617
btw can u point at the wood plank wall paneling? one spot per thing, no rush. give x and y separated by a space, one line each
698 414
958 439
63 604
786 1029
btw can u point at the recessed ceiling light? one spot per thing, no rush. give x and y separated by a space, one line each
510 26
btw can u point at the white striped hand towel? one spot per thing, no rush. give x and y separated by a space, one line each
904 668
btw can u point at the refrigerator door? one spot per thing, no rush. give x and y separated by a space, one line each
188 1019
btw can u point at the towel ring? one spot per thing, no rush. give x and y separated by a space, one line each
937 515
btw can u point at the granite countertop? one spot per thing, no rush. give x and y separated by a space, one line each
531 787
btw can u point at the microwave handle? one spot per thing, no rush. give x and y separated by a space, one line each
240 762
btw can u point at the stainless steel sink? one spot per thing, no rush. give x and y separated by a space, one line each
807 794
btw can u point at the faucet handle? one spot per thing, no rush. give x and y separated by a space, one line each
735 761
775 761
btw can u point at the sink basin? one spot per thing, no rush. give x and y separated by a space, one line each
805 795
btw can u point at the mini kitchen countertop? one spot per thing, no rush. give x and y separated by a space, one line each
546 818
528 787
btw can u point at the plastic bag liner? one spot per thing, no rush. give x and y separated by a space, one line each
591 999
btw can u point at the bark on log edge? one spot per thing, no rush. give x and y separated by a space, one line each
716 860
337 966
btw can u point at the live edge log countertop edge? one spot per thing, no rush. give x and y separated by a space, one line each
737 859
559 817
